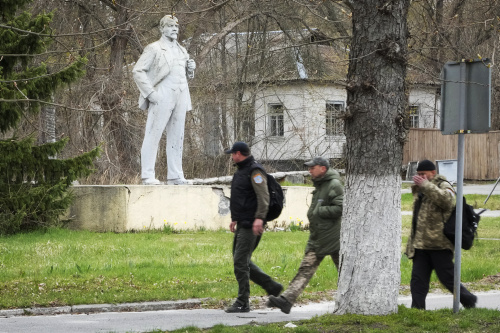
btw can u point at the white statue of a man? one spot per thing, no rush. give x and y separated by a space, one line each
161 74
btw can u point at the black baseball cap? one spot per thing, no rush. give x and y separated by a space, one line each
238 146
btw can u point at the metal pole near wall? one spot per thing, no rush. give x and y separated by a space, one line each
458 226
465 109
460 186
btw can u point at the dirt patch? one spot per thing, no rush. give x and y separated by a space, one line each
491 279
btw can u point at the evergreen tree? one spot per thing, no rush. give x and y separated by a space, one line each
34 186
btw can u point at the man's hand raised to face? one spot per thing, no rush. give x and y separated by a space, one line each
419 180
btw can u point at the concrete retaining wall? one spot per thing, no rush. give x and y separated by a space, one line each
121 208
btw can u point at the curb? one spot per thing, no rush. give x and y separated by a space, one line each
98 308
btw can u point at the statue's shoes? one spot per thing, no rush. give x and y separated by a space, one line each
151 181
180 181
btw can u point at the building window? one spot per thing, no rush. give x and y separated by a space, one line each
276 126
247 120
413 115
334 121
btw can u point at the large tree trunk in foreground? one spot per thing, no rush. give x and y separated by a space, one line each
371 226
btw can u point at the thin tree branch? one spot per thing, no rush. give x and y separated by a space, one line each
65 35
110 4
218 37
51 103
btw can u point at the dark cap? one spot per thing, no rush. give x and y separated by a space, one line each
238 146
425 165
318 160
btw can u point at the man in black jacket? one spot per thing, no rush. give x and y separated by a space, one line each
249 206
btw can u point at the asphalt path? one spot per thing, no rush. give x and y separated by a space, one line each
167 320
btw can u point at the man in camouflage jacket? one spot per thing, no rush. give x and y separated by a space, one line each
434 200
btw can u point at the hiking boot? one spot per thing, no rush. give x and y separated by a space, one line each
238 308
279 302
275 290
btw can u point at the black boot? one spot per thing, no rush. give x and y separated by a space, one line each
279 302
238 308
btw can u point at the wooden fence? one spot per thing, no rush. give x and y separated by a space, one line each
481 151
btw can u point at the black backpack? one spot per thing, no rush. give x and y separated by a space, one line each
276 198
470 220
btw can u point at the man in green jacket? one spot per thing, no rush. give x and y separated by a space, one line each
434 199
324 214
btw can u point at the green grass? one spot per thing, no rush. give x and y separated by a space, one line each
406 185
475 200
63 267
406 320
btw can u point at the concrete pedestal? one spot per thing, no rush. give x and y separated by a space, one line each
121 208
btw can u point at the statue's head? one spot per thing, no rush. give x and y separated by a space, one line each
168 20
169 26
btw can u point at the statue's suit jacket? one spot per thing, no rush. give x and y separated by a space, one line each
152 67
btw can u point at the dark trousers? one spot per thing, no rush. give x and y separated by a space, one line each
245 242
441 261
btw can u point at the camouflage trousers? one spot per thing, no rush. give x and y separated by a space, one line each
307 268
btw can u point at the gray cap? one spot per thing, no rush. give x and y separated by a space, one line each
318 160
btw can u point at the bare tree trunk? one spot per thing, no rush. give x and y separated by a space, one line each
437 38
113 94
371 226
49 123
48 119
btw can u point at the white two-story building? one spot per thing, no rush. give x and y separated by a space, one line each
294 97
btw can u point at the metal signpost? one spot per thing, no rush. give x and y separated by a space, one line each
465 108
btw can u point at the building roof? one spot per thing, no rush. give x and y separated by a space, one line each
286 56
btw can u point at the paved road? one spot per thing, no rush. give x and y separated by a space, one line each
481 189
473 189
175 319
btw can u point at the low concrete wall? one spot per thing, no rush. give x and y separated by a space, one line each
121 208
